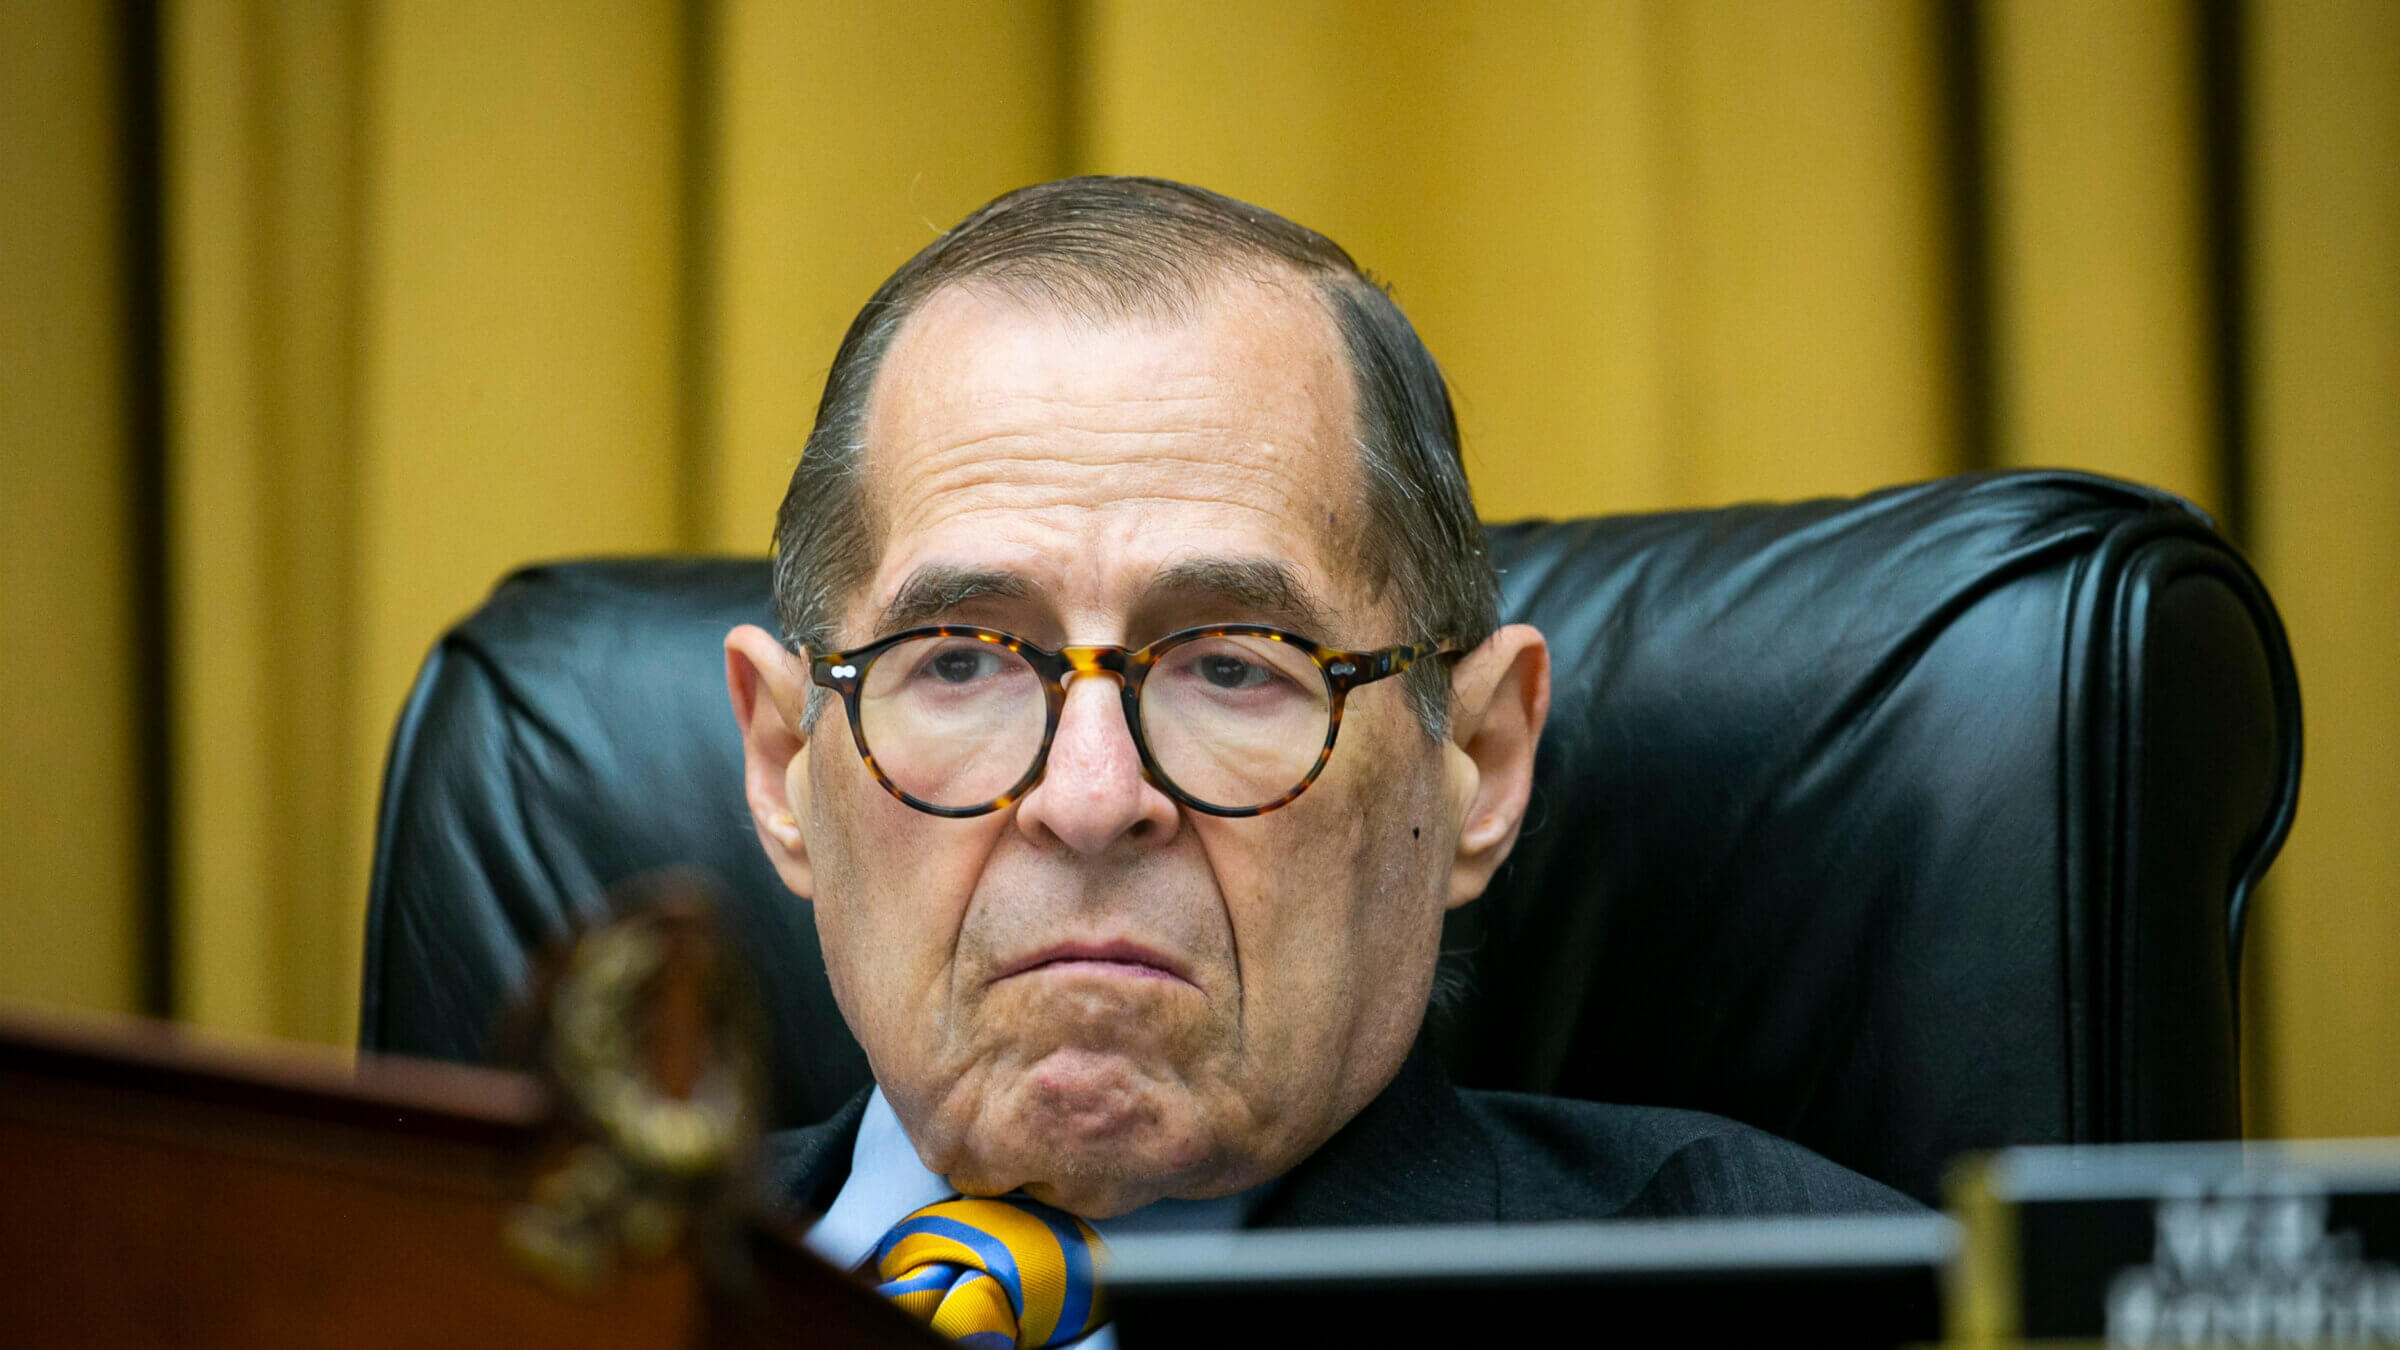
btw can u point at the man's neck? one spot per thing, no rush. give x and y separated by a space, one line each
887 1182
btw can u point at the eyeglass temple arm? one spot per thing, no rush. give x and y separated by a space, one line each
1366 667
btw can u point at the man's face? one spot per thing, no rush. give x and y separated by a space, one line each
1094 994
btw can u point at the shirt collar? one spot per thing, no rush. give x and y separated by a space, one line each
888 1182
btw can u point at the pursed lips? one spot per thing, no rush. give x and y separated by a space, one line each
1128 959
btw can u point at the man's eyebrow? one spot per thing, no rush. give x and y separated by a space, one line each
937 588
1261 588
1258 588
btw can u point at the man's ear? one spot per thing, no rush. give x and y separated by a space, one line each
1499 699
769 689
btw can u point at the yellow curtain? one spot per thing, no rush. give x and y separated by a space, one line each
71 800
449 286
2324 138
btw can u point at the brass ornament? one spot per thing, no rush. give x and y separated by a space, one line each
651 1042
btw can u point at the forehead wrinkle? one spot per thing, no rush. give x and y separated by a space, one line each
970 480
1054 505
1070 405
1026 437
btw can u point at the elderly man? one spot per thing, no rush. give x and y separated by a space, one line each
1141 709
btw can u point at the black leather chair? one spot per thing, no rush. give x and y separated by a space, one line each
1899 826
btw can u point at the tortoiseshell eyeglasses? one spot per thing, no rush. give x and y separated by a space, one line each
1230 720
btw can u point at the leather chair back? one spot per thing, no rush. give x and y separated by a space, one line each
1898 826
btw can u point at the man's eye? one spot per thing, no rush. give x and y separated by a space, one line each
958 665
1231 672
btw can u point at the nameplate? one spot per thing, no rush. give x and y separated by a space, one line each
1875 1278
2293 1245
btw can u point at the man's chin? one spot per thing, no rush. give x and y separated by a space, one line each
1091 1133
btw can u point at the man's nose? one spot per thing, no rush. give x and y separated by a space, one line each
1092 794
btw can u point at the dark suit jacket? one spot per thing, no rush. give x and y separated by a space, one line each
1425 1152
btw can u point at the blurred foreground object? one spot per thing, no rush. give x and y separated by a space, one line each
2184 1245
647 1031
164 1192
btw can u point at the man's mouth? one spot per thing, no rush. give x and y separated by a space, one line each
1123 959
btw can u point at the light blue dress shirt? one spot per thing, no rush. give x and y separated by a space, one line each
888 1183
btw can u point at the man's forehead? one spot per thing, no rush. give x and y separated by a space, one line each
970 339
1009 442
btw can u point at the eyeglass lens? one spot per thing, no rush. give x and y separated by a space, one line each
1235 721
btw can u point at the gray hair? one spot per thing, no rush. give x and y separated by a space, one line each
1099 248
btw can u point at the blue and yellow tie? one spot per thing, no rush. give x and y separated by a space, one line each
994 1273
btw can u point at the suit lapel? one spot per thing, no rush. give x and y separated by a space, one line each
805 1168
1413 1156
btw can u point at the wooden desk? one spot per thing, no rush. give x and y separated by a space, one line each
161 1192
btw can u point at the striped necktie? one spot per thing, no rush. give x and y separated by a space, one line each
1005 1272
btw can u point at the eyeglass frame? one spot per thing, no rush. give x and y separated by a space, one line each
1343 670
